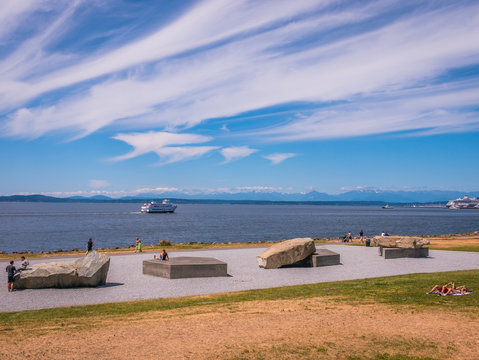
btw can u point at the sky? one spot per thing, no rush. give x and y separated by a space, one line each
121 98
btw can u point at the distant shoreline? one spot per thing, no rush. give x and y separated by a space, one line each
52 199
459 242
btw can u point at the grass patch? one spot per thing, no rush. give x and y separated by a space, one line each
471 248
312 352
402 291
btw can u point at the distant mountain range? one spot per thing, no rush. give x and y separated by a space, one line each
355 196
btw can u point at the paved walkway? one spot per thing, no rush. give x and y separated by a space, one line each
126 282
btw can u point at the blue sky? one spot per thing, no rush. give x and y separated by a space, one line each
128 97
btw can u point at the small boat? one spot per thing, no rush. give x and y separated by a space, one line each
387 206
164 207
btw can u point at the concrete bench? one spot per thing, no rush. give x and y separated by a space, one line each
324 257
185 267
396 253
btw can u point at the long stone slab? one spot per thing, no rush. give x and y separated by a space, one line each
396 253
325 257
185 267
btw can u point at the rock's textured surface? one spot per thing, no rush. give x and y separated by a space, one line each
90 270
404 242
286 252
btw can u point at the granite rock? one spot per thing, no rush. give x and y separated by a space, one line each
90 270
403 242
286 253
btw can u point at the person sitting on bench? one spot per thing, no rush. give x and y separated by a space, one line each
163 256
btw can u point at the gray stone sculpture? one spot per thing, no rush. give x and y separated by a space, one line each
90 270
286 253
403 242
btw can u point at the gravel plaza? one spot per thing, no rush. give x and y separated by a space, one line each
126 282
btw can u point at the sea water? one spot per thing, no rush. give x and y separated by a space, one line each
49 226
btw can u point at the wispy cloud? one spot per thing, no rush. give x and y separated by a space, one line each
279 157
219 59
236 152
439 109
164 144
12 12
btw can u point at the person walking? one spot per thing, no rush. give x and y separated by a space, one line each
89 246
11 270
361 235
139 246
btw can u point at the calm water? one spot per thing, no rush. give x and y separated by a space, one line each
48 226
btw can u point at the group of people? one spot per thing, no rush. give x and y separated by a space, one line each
138 247
449 289
12 270
90 244
349 236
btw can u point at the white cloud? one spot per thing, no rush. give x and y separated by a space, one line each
193 29
236 152
12 12
162 143
256 58
157 190
279 157
435 109
99 183
181 153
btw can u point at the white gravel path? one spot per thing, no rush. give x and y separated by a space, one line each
126 282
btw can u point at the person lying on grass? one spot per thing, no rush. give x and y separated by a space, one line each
449 289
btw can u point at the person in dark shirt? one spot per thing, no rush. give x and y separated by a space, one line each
11 270
164 255
89 245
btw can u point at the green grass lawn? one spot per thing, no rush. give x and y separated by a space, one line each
401 291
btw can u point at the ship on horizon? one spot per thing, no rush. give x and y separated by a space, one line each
164 207
463 203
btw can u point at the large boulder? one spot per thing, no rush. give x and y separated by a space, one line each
90 270
286 253
403 242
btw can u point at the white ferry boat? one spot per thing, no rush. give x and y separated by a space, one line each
164 207
465 203
387 207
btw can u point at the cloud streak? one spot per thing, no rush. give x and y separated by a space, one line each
379 79
279 157
165 145
236 152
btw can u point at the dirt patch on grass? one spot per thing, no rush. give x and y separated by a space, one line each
284 329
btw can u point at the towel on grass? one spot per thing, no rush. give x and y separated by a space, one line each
438 293
466 293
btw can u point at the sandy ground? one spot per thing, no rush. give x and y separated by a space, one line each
287 329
